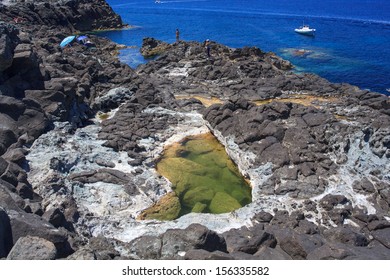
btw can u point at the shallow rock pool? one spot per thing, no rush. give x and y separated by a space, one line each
203 177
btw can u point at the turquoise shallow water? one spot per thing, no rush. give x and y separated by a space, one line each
352 42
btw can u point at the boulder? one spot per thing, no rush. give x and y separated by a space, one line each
146 247
307 227
103 248
55 217
296 245
175 242
6 241
97 248
24 224
346 235
263 217
32 248
383 236
25 62
33 121
338 251
364 186
7 132
316 119
248 240
12 107
17 155
277 154
330 251
6 51
378 224
7 200
329 201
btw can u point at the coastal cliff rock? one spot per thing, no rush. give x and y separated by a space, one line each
79 15
81 132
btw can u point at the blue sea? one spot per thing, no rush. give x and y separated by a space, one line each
352 41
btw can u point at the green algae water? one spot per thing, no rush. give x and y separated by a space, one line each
203 176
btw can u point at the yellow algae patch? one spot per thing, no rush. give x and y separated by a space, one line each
343 118
306 100
206 101
103 116
167 208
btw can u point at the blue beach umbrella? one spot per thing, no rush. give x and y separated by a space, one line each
67 41
83 37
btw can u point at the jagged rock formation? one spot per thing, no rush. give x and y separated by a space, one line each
316 153
41 84
79 15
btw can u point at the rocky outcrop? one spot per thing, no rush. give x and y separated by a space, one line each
152 47
81 15
41 84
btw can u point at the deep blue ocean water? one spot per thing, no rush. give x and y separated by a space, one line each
352 42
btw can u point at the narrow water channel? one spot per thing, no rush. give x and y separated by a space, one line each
203 176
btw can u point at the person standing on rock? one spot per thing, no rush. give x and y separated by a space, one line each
177 35
207 47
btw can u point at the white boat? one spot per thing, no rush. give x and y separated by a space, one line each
305 30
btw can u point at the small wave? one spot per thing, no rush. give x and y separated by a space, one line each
182 1
124 5
265 13
152 2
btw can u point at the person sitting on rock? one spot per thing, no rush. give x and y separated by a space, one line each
89 44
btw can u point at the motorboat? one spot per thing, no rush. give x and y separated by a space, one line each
305 30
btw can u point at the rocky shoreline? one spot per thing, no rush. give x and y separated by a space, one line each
80 134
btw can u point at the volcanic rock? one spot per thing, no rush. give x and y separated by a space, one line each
248 240
32 248
5 234
81 132
194 237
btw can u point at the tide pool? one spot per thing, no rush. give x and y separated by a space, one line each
204 180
